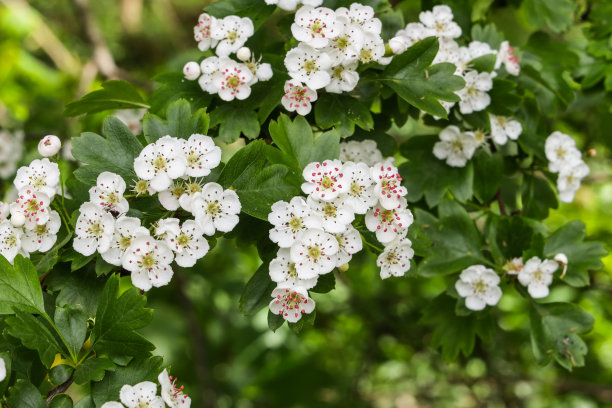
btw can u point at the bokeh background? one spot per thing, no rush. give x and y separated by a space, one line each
367 347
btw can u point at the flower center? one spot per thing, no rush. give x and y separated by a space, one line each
480 286
314 252
39 182
327 182
299 94
342 42
160 163
337 72
316 27
355 189
366 55
537 275
457 145
41 229
232 36
32 206
193 159
213 208
11 241
178 191
183 240
96 229
310 66
141 187
193 188
295 223
480 136
292 270
329 210
147 262
125 241
233 82
391 258
112 199
561 152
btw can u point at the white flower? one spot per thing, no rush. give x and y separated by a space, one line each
389 224
395 259
455 147
360 195
410 35
290 220
398 45
474 96
314 254
149 261
315 26
161 162
4 210
537 276
186 240
191 70
309 66
2 369
298 98
132 118
508 58
10 240
361 16
209 68
324 181
42 237
388 188
514 266
344 78
49 146
569 180
94 230
288 5
126 229
112 404
373 48
263 71
215 209
108 193
232 80
189 189
291 303
561 151
503 129
479 286
169 199
336 214
364 151
201 32
450 51
202 155
349 243
141 395
170 393
41 175
347 45
33 205
232 32
283 272
440 19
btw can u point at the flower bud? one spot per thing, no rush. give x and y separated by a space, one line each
243 54
264 72
561 258
18 219
49 146
398 45
191 70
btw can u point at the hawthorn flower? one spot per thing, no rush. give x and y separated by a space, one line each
364 151
503 129
169 199
479 286
349 243
336 214
474 96
308 65
262 71
408 36
33 206
5 209
291 303
324 181
513 266
202 32
232 80
132 118
42 237
94 230
372 49
345 48
141 395
231 32
314 254
291 220
41 175
161 162
149 262
561 151
537 276
191 70
186 241
283 272
298 98
209 68
215 209
398 45
455 147
126 229
344 78
388 188
440 19
2 369
112 404
360 195
450 51
569 180
395 259
170 393
361 16
108 193
315 26
10 240
507 57
389 224
190 188
49 146
202 155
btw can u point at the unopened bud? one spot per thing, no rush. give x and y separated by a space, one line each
49 146
191 70
243 54
562 260
398 45
18 219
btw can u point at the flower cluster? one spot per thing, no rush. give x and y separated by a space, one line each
220 74
174 168
33 225
144 394
11 149
564 158
316 235
331 46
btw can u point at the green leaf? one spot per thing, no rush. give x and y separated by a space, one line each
80 288
180 122
420 84
488 170
61 401
487 34
425 175
34 335
235 121
484 63
85 402
93 370
115 152
113 95
554 14
25 395
19 286
60 374
325 283
48 260
307 320
582 255
555 329
258 185
174 86
538 197
508 237
77 260
72 324
343 112
275 321
256 293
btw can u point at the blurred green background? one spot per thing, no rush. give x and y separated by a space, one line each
366 348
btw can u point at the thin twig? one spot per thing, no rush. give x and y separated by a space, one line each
60 389
502 207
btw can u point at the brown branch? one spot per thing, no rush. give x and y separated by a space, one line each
502 207
60 389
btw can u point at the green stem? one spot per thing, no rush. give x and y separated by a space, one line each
63 215
70 353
